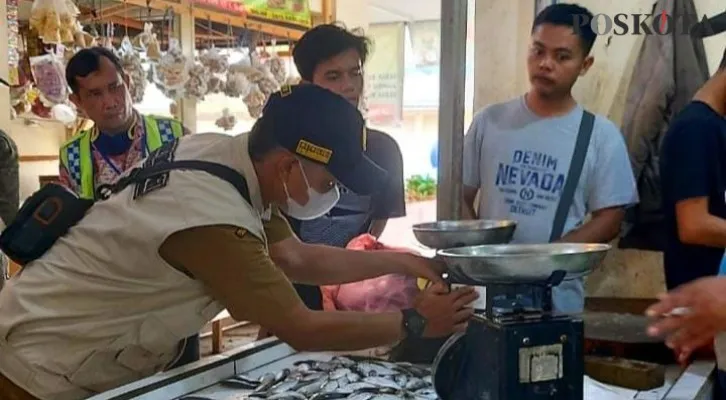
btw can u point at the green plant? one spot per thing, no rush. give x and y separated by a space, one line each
420 187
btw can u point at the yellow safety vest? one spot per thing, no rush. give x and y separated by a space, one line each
76 155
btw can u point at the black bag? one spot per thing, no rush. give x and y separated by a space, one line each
51 211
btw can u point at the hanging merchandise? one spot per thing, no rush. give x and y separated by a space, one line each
68 53
13 41
131 63
153 50
212 58
196 86
63 113
48 75
107 40
237 85
215 84
172 72
227 121
276 65
142 40
84 40
54 20
255 101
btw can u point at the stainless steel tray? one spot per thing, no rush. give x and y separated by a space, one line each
522 262
202 378
450 234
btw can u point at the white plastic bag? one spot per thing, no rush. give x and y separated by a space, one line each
173 70
48 76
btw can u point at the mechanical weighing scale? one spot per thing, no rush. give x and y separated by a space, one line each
515 346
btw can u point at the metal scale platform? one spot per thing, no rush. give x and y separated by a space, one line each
515 346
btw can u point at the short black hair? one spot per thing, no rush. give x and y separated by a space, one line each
570 15
323 43
261 139
87 61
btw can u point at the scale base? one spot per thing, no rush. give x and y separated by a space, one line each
524 360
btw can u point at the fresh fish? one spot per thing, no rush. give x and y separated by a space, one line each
329 396
414 384
287 396
360 396
385 397
312 388
339 373
341 377
241 382
372 369
381 382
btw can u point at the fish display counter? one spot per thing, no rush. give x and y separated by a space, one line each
272 370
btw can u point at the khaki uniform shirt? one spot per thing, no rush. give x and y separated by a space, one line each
109 302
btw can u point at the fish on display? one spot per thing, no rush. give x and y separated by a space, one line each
352 378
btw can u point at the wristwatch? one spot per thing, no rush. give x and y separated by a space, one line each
414 323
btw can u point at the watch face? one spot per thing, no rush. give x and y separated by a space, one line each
415 323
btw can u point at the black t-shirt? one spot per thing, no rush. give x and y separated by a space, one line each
692 165
353 214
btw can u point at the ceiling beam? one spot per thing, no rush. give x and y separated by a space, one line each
224 18
90 14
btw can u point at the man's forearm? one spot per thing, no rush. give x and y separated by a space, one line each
349 331
709 231
326 265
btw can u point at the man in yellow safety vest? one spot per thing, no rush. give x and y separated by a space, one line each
120 137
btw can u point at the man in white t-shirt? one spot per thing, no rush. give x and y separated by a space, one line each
517 154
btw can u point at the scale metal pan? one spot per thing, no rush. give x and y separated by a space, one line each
522 263
450 234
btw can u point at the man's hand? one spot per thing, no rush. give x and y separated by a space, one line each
445 312
419 267
691 315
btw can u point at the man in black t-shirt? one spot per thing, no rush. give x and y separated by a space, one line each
332 57
693 180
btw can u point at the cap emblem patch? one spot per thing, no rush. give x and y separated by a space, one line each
285 90
313 151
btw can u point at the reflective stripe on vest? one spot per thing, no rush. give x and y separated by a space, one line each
76 155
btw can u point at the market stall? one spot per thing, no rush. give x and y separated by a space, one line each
149 38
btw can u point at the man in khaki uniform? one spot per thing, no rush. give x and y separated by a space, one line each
108 303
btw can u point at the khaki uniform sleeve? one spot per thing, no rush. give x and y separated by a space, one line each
237 269
277 228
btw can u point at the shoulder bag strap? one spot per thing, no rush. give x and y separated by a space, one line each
573 175
220 171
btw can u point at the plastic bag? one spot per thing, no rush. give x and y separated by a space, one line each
255 101
173 70
48 75
196 87
277 68
227 121
215 61
384 293
131 63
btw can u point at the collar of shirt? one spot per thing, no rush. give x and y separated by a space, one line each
244 164
117 144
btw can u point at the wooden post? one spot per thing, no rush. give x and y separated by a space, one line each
328 11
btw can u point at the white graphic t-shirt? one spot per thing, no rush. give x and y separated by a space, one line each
520 161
